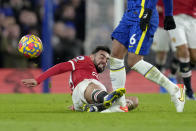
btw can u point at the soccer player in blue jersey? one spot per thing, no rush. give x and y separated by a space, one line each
134 35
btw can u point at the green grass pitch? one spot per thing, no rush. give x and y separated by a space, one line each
47 112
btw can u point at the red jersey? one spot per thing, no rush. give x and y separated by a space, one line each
184 7
81 67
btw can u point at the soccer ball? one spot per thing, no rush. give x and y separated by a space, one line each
30 46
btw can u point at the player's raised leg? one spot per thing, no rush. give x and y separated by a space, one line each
152 73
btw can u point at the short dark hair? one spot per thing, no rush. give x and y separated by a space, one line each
104 48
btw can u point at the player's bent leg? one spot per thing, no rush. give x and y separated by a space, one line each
107 102
94 93
82 93
131 104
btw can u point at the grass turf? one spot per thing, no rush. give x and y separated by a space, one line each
45 112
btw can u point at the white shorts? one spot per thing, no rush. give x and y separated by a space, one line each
161 41
185 31
78 93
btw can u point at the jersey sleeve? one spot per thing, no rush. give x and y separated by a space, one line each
55 70
168 5
151 4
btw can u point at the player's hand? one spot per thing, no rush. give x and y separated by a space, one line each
169 23
145 19
29 82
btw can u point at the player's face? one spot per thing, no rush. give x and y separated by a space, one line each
100 60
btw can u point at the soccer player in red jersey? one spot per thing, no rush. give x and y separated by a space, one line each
183 39
88 94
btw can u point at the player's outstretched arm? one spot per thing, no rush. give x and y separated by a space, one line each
29 82
55 70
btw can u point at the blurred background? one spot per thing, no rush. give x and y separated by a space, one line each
67 28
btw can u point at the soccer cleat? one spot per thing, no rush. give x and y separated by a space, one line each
179 98
110 98
89 108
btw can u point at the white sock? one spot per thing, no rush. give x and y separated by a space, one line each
153 74
118 76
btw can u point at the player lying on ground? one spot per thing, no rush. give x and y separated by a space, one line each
84 83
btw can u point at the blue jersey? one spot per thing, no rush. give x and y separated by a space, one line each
128 32
135 8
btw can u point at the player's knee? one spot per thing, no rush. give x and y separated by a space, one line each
183 52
